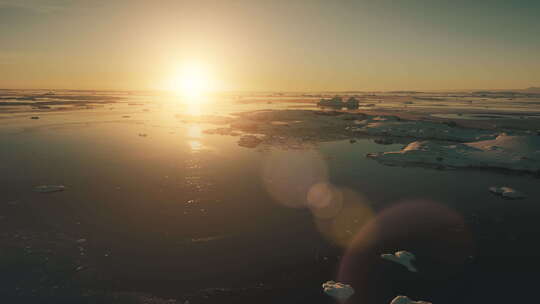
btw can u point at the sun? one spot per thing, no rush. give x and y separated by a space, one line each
191 82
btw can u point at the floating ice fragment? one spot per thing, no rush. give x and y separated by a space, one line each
507 192
406 300
338 290
402 257
49 188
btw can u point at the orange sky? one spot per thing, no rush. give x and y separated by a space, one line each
270 45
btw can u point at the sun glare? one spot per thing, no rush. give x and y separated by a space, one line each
191 82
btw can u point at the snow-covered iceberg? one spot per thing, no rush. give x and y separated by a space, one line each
521 153
402 257
421 130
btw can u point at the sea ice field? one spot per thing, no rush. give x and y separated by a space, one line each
142 197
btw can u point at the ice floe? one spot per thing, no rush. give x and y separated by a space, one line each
304 125
221 131
402 257
245 125
336 290
49 188
249 141
521 153
337 102
406 300
387 126
507 192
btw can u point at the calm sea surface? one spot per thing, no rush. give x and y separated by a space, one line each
169 210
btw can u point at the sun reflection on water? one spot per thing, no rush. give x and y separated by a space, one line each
194 134
195 145
194 131
193 108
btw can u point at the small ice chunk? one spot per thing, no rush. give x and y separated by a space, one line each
49 188
402 257
507 192
406 300
339 291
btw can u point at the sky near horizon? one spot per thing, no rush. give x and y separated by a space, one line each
252 45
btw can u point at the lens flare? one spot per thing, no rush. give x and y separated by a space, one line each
289 175
436 234
340 220
325 200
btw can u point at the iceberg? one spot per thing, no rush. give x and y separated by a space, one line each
507 192
386 126
406 300
402 257
520 153
336 290
49 188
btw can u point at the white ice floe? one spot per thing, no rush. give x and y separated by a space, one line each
406 300
402 257
507 192
521 153
339 291
49 188
384 126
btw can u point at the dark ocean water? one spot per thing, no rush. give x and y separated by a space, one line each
178 213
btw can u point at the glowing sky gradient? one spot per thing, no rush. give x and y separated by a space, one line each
271 45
